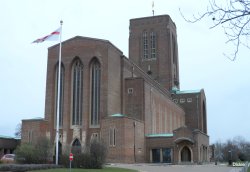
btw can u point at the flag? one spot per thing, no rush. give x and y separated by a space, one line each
153 4
51 37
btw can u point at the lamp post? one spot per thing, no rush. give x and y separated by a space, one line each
230 157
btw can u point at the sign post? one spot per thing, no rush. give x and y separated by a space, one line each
71 157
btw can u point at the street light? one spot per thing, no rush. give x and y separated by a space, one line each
230 159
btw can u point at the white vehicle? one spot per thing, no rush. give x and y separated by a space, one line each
8 158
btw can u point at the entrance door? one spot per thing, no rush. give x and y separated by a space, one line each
59 152
185 154
166 155
156 155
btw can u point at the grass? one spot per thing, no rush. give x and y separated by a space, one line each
107 169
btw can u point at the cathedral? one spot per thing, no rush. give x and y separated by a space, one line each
134 104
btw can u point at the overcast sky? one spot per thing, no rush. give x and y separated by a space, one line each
201 60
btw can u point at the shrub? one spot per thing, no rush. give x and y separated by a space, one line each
26 154
97 154
93 157
42 148
33 153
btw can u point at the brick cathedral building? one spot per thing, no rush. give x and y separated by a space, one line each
132 103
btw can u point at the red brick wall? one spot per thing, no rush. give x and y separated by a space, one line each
195 109
130 144
35 128
161 114
162 67
110 97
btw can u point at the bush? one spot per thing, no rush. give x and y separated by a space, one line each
33 154
26 154
93 157
97 154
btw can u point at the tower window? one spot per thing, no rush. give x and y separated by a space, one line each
145 45
130 90
153 44
77 92
182 100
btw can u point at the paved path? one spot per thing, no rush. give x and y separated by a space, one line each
178 168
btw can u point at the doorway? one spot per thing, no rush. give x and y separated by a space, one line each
185 154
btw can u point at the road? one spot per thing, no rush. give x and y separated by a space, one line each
178 168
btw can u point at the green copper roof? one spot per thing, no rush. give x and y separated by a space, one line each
160 135
177 91
188 91
117 115
34 119
8 137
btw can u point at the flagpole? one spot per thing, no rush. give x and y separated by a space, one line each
58 95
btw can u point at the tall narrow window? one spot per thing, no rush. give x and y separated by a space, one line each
175 67
145 45
95 94
30 136
153 44
61 95
77 92
174 49
112 137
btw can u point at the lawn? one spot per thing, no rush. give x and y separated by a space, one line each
108 169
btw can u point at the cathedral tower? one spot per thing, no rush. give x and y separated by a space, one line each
153 47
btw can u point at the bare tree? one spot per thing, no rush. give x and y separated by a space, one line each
18 130
219 151
233 149
233 16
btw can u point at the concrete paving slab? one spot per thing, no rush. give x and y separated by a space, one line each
178 168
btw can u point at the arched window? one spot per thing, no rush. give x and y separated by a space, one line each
77 92
145 45
61 95
153 44
95 92
76 143
76 146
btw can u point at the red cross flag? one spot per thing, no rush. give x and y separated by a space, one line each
51 37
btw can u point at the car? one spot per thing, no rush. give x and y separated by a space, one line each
8 158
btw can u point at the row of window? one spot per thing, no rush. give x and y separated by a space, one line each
183 100
95 136
149 45
77 92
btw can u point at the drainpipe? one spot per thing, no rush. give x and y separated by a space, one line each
134 142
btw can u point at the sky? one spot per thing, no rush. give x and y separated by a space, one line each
201 60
